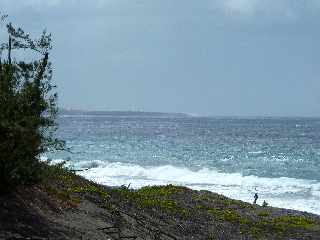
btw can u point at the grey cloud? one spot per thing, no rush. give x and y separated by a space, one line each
230 8
217 57
280 9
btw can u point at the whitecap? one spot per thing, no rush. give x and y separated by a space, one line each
299 194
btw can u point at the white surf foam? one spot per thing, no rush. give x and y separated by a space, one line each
52 161
299 194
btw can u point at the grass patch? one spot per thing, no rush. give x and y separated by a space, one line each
157 197
228 215
90 189
161 191
281 226
285 223
62 196
66 185
265 225
264 214
220 201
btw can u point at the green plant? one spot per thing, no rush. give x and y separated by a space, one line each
265 204
27 108
264 214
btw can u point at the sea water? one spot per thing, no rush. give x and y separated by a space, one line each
279 158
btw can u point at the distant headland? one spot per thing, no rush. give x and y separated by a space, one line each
64 111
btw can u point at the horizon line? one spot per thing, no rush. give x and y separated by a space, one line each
195 115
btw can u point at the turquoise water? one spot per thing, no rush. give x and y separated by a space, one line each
277 157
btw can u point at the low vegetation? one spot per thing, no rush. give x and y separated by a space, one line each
170 212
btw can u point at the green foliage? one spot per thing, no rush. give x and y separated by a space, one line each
161 191
228 215
91 189
284 223
265 204
259 223
156 197
265 224
27 108
264 214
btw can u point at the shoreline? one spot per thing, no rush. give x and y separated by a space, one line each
67 206
246 193
232 185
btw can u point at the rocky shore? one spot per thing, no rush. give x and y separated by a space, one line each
66 206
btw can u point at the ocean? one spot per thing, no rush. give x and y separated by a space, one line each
279 158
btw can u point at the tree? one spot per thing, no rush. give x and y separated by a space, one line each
28 107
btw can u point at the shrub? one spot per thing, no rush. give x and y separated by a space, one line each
27 108
265 204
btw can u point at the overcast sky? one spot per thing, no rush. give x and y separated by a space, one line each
206 57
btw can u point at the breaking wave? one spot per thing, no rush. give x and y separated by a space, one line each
298 194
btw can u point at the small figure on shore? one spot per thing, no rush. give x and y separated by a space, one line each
255 198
